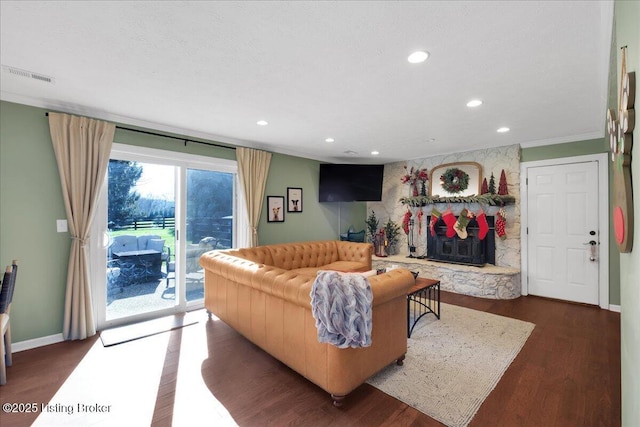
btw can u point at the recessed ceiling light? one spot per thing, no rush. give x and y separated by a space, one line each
503 130
375 153
329 140
474 103
262 122
418 57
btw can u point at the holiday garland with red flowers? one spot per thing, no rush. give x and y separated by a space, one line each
454 180
414 176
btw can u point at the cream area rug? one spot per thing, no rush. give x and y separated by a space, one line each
452 364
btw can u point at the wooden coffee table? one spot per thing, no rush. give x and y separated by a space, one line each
423 298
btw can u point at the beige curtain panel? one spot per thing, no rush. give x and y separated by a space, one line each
253 169
82 147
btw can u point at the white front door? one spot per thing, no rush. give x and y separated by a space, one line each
563 231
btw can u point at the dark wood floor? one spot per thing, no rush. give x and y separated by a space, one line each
567 374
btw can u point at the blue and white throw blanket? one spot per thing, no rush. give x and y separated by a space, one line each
341 305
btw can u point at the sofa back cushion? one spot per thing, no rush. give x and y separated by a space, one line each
310 255
291 256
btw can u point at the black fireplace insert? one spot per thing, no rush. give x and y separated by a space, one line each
469 251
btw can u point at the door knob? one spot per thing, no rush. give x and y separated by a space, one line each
593 244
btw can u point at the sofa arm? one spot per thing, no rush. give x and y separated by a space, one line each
390 285
229 266
355 251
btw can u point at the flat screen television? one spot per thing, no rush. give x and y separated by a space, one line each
350 183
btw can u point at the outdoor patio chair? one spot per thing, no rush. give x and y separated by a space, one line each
171 269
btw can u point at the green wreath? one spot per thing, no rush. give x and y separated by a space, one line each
454 180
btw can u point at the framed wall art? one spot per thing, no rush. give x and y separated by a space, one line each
294 199
275 209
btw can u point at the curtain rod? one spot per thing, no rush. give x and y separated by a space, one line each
171 137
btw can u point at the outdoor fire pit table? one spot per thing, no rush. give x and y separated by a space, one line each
147 264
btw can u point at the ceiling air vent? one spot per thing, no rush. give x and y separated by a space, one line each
27 74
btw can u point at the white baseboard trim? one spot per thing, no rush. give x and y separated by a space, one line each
36 342
613 307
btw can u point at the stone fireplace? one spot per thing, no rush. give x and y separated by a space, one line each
469 251
499 278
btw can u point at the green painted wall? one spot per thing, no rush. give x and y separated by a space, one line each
581 148
31 201
627 17
317 221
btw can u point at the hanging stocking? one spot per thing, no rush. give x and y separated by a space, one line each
481 218
461 224
501 222
450 219
405 221
420 214
435 216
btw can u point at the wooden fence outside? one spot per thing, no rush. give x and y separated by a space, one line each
140 224
219 228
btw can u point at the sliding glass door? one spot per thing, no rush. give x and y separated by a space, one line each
159 213
141 231
209 222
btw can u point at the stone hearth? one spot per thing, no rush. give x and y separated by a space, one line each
486 282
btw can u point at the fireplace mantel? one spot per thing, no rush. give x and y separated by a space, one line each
485 199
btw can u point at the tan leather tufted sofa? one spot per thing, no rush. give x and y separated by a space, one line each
264 294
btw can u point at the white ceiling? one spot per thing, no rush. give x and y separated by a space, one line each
320 69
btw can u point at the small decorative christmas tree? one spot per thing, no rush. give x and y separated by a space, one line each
372 225
492 184
392 233
502 187
485 187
